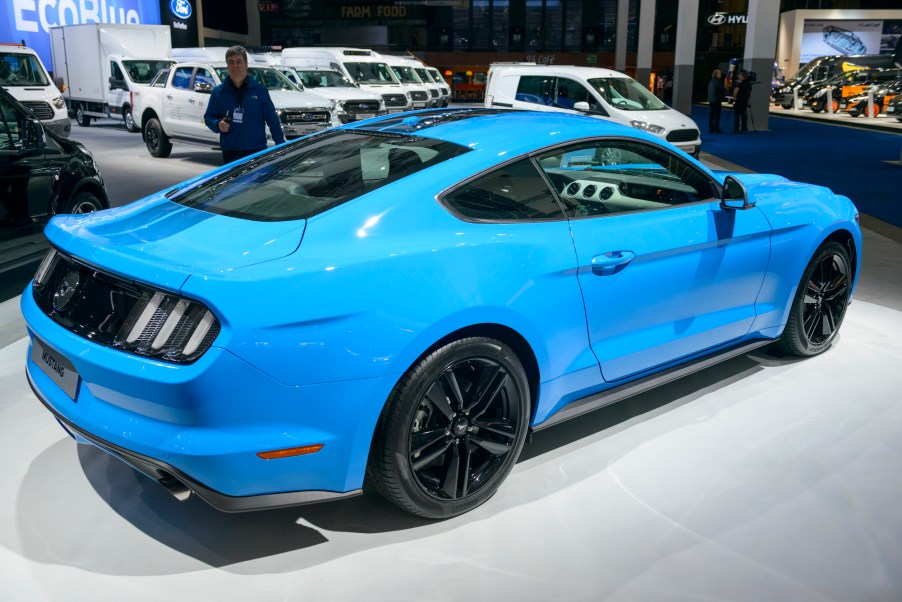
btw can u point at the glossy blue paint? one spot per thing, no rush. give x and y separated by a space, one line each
320 317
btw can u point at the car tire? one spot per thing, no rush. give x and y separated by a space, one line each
452 429
80 117
83 202
158 143
820 302
854 112
129 120
787 106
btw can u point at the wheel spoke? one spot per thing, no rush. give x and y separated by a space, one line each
436 396
422 440
452 388
493 447
505 428
452 473
490 382
829 321
424 461
812 324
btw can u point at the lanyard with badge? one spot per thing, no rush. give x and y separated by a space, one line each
238 113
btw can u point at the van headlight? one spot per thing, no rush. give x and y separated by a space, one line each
58 102
648 127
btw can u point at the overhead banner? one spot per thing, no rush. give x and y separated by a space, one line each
820 38
30 20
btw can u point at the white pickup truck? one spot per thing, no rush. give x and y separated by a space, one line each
172 107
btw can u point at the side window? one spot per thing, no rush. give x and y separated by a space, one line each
115 71
620 176
9 126
182 78
203 77
536 89
570 92
515 192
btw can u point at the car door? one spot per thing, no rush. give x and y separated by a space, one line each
665 272
202 86
26 182
176 105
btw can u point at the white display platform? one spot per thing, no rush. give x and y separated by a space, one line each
760 479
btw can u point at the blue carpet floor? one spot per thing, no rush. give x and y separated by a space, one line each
850 161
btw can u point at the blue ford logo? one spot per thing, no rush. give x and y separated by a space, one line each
180 8
66 291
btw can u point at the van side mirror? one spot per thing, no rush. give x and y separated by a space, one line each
734 195
117 84
33 135
581 106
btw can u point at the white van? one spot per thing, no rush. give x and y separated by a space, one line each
423 95
352 103
363 67
24 76
444 89
600 93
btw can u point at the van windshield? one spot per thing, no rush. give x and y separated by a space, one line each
324 79
265 76
18 69
406 75
371 73
626 94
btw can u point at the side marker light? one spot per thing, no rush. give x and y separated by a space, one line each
290 452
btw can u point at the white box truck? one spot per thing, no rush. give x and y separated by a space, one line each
99 65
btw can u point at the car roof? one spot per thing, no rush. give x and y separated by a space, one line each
587 72
481 128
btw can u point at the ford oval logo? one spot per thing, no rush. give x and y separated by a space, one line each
180 8
717 19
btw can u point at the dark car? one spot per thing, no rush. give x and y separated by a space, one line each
858 105
819 70
41 174
847 85
894 107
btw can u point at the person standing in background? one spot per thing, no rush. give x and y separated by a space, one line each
238 109
716 93
741 95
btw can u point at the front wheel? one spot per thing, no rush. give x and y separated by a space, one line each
158 143
786 106
83 202
820 303
452 429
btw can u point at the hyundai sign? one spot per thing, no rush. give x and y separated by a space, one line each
31 20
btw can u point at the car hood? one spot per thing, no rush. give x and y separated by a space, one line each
344 94
286 99
670 119
161 242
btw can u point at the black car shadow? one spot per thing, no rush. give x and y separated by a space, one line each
220 539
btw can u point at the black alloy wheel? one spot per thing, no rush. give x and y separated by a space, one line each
158 143
83 202
452 429
820 302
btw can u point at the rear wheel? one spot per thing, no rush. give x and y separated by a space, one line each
820 302
835 106
129 119
80 117
787 106
158 143
452 429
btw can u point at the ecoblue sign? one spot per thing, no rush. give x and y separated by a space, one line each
180 8
31 20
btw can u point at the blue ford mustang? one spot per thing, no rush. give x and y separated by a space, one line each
394 304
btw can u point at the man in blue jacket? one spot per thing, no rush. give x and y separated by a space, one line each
238 108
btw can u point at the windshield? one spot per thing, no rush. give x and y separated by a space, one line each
143 72
406 75
324 79
307 177
371 73
627 94
18 69
424 76
436 76
265 76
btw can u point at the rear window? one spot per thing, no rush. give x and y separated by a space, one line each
308 177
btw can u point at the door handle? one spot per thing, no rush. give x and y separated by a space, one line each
169 96
611 262
191 100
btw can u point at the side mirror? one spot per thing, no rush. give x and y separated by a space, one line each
581 106
734 195
33 135
203 87
117 84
